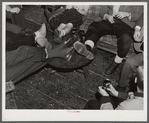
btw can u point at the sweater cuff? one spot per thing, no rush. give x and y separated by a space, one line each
105 99
122 95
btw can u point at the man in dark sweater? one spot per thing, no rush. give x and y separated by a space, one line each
132 101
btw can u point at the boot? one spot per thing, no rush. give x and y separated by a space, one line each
111 69
82 50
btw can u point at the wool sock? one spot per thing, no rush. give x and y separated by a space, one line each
118 59
62 33
89 45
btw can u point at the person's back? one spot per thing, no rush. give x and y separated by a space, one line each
136 103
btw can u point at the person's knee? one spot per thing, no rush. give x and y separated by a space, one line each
128 63
92 27
95 26
127 39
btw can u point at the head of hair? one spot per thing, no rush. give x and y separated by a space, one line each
140 78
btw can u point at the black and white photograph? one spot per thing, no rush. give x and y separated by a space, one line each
74 61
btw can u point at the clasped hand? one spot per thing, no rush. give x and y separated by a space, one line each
121 15
110 90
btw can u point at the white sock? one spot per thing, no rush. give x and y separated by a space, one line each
37 35
90 43
62 33
118 59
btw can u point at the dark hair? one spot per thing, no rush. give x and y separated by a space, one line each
140 77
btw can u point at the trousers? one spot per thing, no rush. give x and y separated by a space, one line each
123 32
13 41
129 69
22 56
13 28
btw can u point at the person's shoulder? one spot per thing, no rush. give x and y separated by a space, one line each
132 104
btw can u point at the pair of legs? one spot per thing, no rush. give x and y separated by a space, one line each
26 59
13 28
62 30
123 32
14 40
129 69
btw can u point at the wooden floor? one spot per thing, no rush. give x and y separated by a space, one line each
61 90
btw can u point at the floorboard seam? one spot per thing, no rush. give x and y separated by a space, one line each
48 96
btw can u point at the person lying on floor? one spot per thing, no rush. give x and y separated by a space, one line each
22 52
132 100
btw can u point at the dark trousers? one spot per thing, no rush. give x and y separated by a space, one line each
13 28
123 32
13 41
19 19
129 69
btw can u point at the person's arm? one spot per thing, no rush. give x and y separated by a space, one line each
105 103
138 30
139 23
136 13
104 11
122 95
121 106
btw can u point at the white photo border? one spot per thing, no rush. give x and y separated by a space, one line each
81 115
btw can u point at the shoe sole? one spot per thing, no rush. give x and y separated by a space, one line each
81 49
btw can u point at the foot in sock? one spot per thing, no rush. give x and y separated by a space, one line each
112 68
41 32
43 42
82 50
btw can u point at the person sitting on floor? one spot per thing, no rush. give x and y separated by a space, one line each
132 100
17 15
131 64
70 17
122 21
